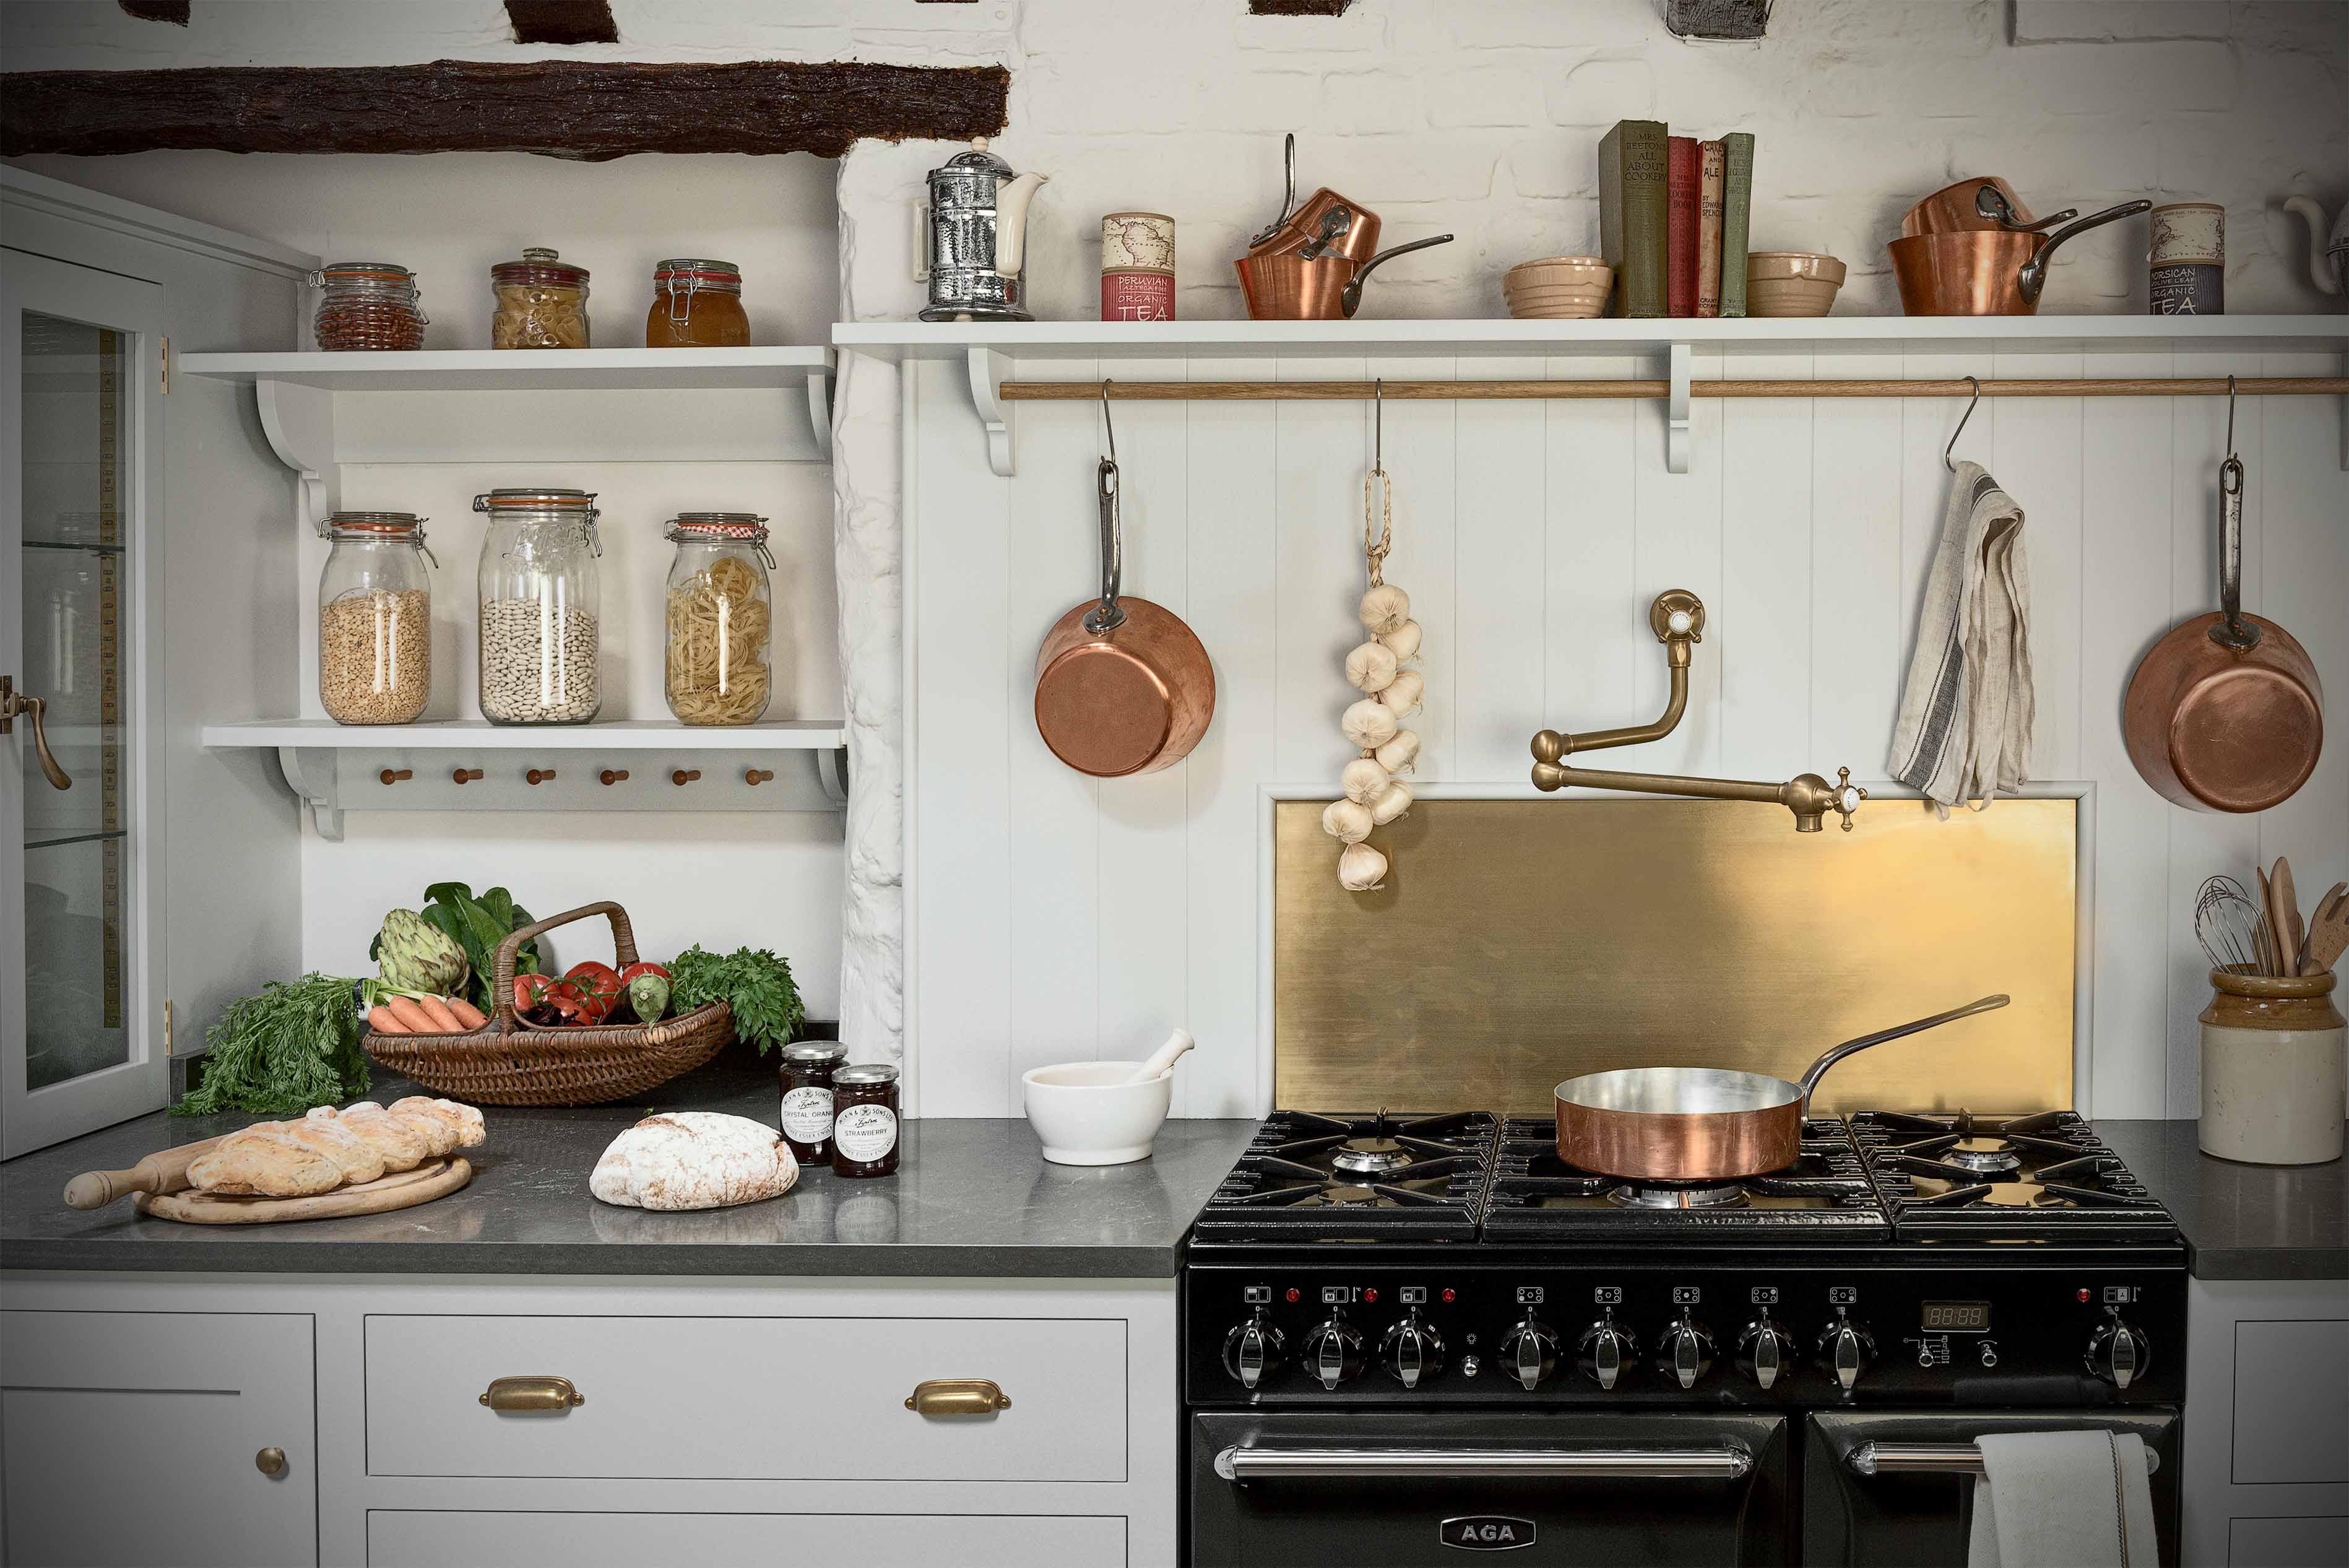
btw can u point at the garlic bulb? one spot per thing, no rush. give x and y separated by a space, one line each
1384 608
1370 666
1400 696
1398 754
1403 641
1368 723
1361 868
1347 820
1363 780
1392 803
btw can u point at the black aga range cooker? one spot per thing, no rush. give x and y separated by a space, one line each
1410 1337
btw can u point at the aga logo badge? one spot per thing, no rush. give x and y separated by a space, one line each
1487 1532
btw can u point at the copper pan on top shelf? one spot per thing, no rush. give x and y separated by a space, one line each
1963 208
1984 272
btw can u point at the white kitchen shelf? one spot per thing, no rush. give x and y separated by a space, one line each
992 351
521 370
333 768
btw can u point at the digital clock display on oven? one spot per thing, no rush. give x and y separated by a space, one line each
1957 1317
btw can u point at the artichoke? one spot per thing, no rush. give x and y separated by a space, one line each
414 954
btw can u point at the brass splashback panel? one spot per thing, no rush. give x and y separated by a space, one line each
1520 942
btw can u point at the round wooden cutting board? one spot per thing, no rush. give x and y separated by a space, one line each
403 1189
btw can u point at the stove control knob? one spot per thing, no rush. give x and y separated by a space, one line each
1846 1348
1333 1351
1252 1351
1607 1348
1529 1352
1686 1351
1411 1350
1765 1353
2118 1351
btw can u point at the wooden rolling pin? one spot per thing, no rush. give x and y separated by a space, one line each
163 1171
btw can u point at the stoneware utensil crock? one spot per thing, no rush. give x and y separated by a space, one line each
2271 1069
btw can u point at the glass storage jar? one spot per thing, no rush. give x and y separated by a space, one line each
367 305
865 1130
375 620
542 302
805 1078
539 633
697 304
720 618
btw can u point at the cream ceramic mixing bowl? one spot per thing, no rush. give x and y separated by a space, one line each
1085 1115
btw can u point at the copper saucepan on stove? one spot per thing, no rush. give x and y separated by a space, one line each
1703 1124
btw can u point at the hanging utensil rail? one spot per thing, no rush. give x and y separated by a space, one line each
1657 388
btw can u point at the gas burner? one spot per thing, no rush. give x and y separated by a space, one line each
1633 1195
2046 1177
1343 1197
1371 1156
1985 1156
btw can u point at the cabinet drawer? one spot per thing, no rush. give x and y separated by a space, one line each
424 1538
783 1398
2291 1425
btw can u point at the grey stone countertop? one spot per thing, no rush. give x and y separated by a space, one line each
972 1199
2241 1221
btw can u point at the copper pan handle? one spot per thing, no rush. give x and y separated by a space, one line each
2231 631
1819 1069
1352 298
2034 275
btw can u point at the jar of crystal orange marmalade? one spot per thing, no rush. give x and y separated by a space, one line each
697 304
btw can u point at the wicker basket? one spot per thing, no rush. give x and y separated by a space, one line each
512 1062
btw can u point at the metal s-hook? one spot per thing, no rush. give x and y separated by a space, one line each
1954 434
1109 428
1379 425
1108 616
2230 418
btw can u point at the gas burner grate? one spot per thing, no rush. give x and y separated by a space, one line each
1964 1177
1355 1178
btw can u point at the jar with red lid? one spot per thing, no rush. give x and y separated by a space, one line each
542 302
366 305
697 304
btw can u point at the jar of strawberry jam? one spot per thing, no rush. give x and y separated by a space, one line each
864 1129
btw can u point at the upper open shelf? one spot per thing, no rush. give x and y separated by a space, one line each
479 734
521 370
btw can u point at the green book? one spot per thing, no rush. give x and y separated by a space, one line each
1736 217
1632 160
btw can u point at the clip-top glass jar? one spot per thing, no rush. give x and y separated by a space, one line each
542 302
865 1130
720 618
366 305
539 585
697 304
375 620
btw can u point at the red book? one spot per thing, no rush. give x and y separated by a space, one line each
1681 183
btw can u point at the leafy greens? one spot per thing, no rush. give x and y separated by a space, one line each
294 1046
756 984
478 926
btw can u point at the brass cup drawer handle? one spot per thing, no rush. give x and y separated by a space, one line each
534 1395
958 1396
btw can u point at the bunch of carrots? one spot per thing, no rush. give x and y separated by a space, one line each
391 1011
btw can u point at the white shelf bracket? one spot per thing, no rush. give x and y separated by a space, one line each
832 773
313 774
986 371
819 405
1679 422
299 422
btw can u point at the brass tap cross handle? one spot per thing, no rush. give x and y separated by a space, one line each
32 708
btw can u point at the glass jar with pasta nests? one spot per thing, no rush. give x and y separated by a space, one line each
720 618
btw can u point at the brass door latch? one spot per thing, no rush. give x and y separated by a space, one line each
532 1395
1677 618
12 705
958 1396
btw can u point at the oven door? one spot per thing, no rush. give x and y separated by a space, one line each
1908 1500
1305 1490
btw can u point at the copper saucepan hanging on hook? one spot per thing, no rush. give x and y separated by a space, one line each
1122 686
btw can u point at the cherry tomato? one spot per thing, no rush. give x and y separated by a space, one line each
643 967
531 990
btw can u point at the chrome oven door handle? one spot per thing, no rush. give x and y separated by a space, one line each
1729 1461
1932 1458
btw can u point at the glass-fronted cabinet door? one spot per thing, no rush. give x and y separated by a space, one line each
81 995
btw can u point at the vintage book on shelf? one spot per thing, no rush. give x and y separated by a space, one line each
1736 217
1710 170
1631 159
1680 228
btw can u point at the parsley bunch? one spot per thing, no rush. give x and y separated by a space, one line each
756 984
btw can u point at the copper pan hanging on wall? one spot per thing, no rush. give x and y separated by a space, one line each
1122 686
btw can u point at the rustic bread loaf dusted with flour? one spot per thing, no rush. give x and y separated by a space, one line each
694 1160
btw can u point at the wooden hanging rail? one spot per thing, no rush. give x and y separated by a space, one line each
1424 391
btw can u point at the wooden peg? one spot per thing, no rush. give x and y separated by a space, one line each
539 775
684 775
757 775
612 775
464 775
395 775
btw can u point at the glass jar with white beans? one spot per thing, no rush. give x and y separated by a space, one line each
540 607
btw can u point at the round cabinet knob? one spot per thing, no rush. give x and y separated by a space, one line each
1846 1348
1333 1352
1765 1353
1253 1351
1411 1350
2119 1352
270 1462
1686 1351
1606 1350
1529 1353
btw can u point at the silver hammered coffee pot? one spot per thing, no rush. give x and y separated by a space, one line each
974 234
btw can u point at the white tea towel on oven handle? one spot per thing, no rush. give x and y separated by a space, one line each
2063 1499
1964 729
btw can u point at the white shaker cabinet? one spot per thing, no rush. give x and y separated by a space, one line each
426 1538
2266 1423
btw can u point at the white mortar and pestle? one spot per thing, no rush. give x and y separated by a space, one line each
1102 1113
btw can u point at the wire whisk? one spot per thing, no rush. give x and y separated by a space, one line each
2229 925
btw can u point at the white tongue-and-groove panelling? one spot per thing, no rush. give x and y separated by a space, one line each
1054 916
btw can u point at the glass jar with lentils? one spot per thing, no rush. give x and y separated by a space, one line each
375 620
366 305
540 585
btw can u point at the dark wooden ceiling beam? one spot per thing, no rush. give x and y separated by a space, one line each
1298 7
583 109
172 11
561 22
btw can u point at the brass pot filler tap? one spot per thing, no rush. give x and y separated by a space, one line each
1678 617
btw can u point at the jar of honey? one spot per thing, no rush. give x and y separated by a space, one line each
864 1120
697 304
